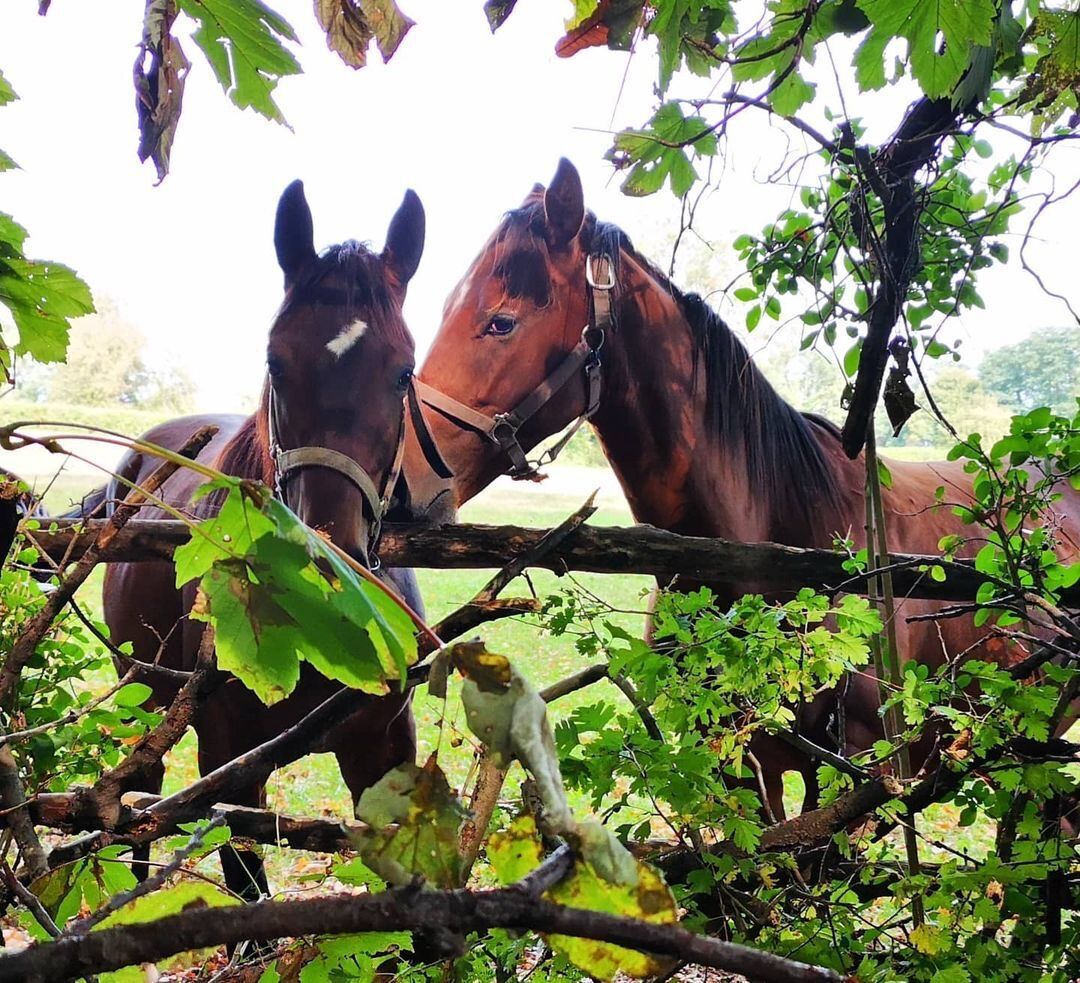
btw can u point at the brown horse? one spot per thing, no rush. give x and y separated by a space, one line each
328 433
701 443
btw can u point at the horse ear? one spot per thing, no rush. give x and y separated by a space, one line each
564 204
537 192
405 239
294 236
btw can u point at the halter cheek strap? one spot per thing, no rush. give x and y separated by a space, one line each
502 428
287 462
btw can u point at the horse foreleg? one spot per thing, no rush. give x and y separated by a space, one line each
372 742
243 868
149 779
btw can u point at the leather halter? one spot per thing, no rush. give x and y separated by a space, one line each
502 428
287 462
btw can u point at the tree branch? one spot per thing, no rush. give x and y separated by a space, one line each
458 912
630 549
35 629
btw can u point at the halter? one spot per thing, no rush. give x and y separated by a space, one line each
502 428
286 462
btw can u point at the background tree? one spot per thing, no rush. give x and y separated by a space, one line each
107 365
1041 370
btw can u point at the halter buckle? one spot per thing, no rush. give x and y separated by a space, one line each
590 275
505 429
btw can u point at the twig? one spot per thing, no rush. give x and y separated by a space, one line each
485 797
117 901
17 815
571 684
639 705
31 900
104 797
22 651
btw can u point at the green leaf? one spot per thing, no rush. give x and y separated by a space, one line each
428 815
7 93
1057 72
939 33
851 359
42 297
242 41
169 901
263 586
792 94
132 695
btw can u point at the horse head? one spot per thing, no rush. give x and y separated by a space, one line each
339 364
517 356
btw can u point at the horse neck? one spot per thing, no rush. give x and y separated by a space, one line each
679 469
247 455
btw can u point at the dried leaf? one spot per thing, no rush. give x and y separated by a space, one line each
426 839
610 22
516 851
490 671
497 11
160 72
350 25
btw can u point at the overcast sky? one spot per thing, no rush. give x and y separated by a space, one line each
468 120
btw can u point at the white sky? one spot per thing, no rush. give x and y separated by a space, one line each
468 120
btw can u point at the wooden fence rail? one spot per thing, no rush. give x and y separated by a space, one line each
765 567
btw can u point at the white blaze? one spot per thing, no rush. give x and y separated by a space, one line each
346 338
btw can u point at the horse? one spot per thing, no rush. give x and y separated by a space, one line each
328 433
560 320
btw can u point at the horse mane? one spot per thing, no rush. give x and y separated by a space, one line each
247 454
742 407
362 289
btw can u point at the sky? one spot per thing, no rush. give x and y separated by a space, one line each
468 120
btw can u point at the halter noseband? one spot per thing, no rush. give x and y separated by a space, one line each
286 462
502 428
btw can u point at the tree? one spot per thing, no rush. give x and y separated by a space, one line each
106 365
1041 370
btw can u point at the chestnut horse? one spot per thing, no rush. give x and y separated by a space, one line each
560 319
328 432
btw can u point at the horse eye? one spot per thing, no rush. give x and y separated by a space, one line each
500 325
404 379
274 366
